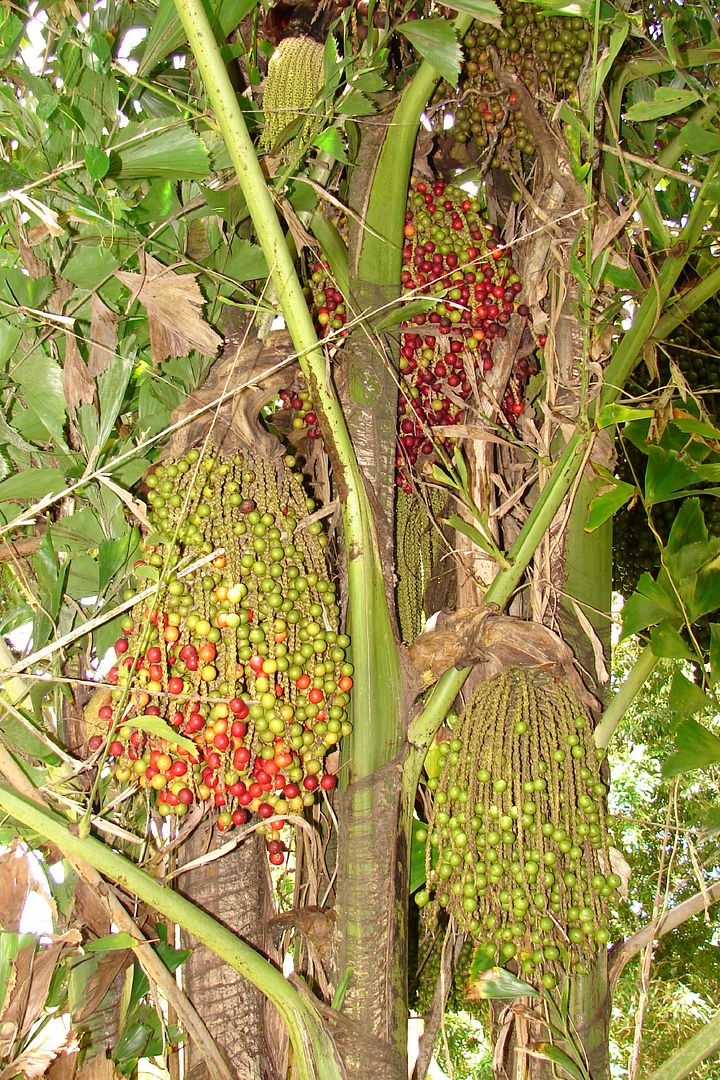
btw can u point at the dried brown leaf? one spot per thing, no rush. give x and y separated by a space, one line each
35 267
103 337
173 302
7 1038
14 887
108 969
78 383
64 1067
35 967
610 227
492 642
36 1060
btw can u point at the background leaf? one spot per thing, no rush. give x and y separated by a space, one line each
436 41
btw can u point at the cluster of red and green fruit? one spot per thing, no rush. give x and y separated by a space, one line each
232 682
517 851
452 254
544 51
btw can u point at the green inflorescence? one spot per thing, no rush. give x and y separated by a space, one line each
517 849
295 76
417 548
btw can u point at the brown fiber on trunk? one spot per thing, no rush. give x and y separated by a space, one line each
236 890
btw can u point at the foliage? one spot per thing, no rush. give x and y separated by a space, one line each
131 253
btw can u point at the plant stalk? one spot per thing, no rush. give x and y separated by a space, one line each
315 1054
624 697
702 1045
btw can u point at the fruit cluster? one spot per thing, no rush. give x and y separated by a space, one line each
517 843
450 253
295 77
233 684
429 974
418 548
452 258
545 52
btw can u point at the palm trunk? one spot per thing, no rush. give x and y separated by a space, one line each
235 889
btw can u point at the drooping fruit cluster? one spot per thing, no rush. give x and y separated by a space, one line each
546 53
295 76
242 659
451 253
418 544
517 844
430 973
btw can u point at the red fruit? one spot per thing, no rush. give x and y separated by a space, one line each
152 710
265 810
291 791
255 790
121 645
236 789
256 664
303 682
240 817
328 782
238 729
238 707
95 742
175 685
310 783
278 859
316 696
153 655
241 757
115 748
221 741
178 768
105 712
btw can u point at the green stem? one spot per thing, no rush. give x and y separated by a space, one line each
633 683
369 616
380 256
702 1045
687 303
315 1055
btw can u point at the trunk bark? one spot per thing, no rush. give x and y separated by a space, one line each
374 817
235 889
